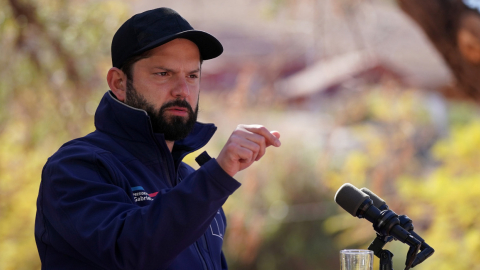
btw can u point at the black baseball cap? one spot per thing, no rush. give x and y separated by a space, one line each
152 28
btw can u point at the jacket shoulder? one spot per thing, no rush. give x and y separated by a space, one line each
94 145
80 156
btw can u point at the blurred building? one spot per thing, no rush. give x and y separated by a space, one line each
298 49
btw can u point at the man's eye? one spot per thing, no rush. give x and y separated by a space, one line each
193 76
162 73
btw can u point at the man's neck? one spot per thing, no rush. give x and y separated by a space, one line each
170 145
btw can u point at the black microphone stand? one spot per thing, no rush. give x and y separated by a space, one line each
388 226
386 256
388 220
405 222
426 250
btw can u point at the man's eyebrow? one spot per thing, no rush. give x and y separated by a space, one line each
195 70
171 70
164 68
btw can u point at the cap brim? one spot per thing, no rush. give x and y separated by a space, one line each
207 44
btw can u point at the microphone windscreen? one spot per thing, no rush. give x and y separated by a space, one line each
350 198
377 201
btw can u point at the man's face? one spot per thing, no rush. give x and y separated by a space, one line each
166 85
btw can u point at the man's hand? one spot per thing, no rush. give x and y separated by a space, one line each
246 145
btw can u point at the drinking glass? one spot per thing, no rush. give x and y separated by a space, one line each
356 259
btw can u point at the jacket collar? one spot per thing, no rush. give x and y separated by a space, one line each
132 126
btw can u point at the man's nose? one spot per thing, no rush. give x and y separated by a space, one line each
181 88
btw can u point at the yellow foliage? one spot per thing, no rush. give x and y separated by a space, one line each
41 104
451 193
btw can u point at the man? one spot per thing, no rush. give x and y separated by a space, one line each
121 197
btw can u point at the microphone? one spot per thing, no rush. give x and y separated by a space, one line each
377 201
385 223
359 204
406 223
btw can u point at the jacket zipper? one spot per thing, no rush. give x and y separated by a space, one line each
207 248
162 150
167 172
166 166
196 243
201 257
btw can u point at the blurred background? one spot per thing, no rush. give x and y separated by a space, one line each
382 94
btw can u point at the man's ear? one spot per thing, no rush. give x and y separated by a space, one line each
117 81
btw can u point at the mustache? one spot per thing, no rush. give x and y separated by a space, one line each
176 103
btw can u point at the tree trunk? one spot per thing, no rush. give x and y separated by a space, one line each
454 30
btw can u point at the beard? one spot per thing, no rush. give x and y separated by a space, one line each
174 127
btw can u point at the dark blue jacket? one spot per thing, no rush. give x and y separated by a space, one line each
118 199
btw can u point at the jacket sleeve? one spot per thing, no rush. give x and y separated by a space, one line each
86 206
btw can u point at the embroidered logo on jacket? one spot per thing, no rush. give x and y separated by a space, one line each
217 227
140 195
